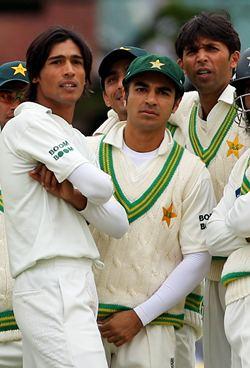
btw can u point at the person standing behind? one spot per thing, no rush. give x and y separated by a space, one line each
50 246
154 179
208 50
112 71
228 232
13 83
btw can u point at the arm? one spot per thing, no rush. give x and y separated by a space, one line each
223 229
110 218
92 182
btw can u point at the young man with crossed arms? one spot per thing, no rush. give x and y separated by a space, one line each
50 247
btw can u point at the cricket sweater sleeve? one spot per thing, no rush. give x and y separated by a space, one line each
109 218
228 225
92 182
183 279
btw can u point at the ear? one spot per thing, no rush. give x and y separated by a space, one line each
180 63
34 80
106 99
234 58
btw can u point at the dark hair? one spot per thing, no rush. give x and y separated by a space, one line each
216 26
40 48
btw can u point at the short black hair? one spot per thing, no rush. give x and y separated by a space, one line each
40 48
216 26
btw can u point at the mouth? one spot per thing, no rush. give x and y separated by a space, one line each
203 72
69 85
149 112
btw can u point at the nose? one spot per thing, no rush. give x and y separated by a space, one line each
68 69
201 55
151 98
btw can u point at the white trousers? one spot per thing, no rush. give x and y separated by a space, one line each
217 351
237 327
185 347
152 347
55 305
11 355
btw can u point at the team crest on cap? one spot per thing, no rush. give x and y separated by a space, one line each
19 69
156 64
125 48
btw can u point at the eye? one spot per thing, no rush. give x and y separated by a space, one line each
140 89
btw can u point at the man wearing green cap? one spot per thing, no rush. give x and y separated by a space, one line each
112 71
167 193
13 81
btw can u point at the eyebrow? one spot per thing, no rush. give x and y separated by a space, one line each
56 57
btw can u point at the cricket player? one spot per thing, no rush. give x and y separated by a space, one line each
208 49
13 82
50 246
229 232
165 191
112 71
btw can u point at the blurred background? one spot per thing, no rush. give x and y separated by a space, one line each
107 24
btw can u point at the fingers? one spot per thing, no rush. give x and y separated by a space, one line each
44 176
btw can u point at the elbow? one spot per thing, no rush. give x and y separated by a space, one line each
101 193
121 226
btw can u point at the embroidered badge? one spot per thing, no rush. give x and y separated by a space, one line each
168 214
234 147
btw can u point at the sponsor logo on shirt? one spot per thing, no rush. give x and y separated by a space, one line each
60 150
203 220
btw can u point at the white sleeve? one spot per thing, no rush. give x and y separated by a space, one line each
237 218
92 182
109 218
196 209
222 239
183 279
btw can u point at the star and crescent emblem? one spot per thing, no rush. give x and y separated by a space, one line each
234 147
20 69
156 64
168 214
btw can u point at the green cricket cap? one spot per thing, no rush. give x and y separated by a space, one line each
157 64
14 71
118 54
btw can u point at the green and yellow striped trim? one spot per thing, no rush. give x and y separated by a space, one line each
245 186
137 208
233 276
171 128
209 153
1 202
165 319
7 321
194 302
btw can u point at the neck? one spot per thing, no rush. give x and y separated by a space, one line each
142 141
208 101
122 115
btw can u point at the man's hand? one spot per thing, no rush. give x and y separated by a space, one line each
120 327
64 190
